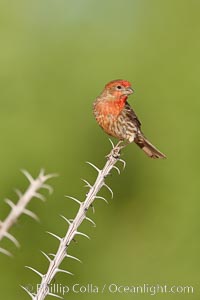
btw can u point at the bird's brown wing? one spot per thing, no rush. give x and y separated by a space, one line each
140 139
132 116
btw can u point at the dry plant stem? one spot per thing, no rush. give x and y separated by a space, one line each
20 207
54 263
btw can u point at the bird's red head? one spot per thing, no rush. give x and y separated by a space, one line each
119 88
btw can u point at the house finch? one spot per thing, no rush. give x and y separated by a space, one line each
116 117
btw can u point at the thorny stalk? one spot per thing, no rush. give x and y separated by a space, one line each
20 207
62 251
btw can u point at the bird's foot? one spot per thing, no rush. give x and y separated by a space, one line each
115 153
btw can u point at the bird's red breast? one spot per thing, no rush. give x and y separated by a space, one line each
111 107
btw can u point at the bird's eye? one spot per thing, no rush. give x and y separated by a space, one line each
119 87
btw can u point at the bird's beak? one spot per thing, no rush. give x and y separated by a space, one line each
129 91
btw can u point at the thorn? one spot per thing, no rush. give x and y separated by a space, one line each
41 174
109 189
64 271
44 177
99 197
92 207
10 203
39 196
67 220
30 214
72 198
52 254
49 259
56 236
123 162
54 295
87 183
27 175
83 234
91 221
49 176
112 144
92 165
73 257
117 145
47 187
12 238
34 270
28 292
116 168
18 192
4 251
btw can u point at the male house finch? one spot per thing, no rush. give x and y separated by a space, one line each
116 117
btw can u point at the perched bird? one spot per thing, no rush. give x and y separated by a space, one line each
116 117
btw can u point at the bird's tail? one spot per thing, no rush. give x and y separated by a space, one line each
148 148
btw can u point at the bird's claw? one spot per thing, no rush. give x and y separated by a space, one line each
115 153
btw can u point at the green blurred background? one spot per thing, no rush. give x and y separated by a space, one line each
55 58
